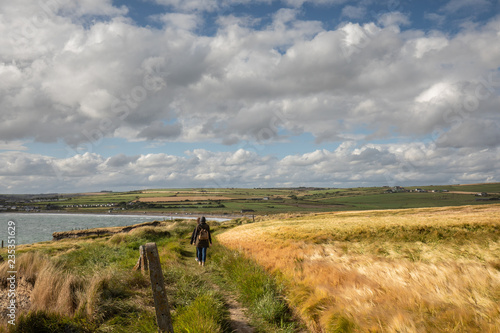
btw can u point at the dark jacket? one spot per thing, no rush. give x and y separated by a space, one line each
201 242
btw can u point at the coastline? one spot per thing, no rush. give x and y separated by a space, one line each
225 217
35 227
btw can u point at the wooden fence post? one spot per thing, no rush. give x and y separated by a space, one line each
142 263
144 259
162 308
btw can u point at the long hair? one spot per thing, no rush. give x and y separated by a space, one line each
198 221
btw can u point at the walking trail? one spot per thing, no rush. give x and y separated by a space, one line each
239 321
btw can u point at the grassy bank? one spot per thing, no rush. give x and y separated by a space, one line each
87 285
415 270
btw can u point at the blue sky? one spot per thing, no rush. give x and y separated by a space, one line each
122 95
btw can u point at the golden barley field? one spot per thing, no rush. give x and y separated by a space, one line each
412 270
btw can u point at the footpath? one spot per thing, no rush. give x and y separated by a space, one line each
239 321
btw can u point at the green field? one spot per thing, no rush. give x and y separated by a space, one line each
263 201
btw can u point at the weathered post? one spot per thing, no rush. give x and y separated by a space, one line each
162 308
144 259
142 263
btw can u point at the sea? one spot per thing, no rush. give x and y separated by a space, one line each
38 227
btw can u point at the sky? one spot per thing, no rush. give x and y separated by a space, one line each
139 94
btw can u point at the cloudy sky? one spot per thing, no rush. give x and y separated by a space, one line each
131 94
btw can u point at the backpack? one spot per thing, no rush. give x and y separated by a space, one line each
203 235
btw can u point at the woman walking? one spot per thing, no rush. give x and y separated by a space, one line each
203 239
193 239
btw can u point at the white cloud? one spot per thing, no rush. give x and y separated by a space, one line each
13 145
436 18
213 5
180 20
354 12
454 6
87 7
429 44
349 165
236 85
191 5
68 78
94 82
472 133
393 19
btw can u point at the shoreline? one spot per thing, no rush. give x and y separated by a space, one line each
40 226
226 217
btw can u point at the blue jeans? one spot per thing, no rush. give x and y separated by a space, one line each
201 253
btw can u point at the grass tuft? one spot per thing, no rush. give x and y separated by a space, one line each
107 296
257 289
205 314
340 324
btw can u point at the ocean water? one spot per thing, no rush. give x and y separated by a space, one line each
38 227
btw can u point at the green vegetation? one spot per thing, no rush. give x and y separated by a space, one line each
258 291
406 200
87 285
268 201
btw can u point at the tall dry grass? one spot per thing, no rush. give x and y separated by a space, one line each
52 288
416 270
59 288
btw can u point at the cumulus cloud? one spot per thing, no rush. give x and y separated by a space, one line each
349 164
117 79
80 72
213 5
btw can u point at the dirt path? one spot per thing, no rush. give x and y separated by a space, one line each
239 321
